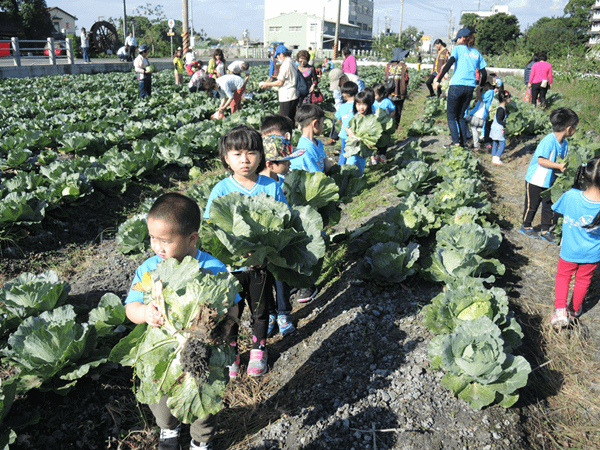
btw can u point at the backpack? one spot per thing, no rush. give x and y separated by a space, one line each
302 86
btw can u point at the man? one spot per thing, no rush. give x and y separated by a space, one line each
132 43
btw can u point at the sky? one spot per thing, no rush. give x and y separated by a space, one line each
229 18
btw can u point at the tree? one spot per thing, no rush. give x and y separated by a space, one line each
579 11
497 34
470 21
410 38
30 16
385 44
557 36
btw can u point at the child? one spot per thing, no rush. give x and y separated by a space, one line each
381 102
497 130
178 63
198 80
242 153
313 157
480 112
363 105
345 113
580 249
173 223
277 131
540 174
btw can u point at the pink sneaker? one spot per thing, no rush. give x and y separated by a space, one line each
560 318
234 369
258 363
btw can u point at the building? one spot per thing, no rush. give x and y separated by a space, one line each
312 23
63 21
595 29
495 9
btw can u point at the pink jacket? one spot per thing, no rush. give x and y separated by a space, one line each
349 65
541 70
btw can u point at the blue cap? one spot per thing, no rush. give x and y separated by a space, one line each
463 32
281 49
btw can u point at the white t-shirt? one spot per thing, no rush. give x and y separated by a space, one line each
228 84
236 67
189 58
288 74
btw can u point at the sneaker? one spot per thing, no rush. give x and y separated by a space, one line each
258 362
200 445
496 160
449 146
271 327
382 159
306 295
529 232
573 313
234 369
374 160
560 318
548 237
284 322
169 439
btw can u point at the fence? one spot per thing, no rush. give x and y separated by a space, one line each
52 50
262 52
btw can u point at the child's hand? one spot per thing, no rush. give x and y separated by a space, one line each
152 316
348 131
562 167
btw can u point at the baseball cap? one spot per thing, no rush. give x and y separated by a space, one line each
279 148
334 78
463 32
281 49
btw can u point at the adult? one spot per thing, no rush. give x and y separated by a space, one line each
123 53
230 87
440 61
216 65
540 79
336 79
527 70
85 46
144 77
460 93
312 54
274 66
237 67
397 72
132 43
309 73
286 81
349 63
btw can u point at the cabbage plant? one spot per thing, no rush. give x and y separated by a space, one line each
389 262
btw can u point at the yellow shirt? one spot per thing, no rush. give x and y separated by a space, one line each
178 63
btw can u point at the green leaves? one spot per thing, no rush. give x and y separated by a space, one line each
389 263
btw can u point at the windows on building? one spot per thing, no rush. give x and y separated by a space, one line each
295 29
275 29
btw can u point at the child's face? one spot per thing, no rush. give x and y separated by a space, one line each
167 242
571 130
243 163
361 108
280 167
318 125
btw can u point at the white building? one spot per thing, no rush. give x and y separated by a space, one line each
311 23
595 29
63 21
495 9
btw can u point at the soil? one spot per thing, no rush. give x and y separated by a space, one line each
355 374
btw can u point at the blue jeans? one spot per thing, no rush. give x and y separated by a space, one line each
459 98
342 158
146 87
86 54
282 291
498 148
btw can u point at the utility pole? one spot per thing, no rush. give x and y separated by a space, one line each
336 41
124 21
401 14
186 31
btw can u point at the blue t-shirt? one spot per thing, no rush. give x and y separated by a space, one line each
487 97
344 113
228 185
550 149
313 159
467 60
386 104
579 245
205 261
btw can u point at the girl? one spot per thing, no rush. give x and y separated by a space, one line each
216 65
480 112
363 105
242 153
178 64
381 102
497 131
580 249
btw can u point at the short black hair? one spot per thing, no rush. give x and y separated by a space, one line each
562 118
350 88
179 210
307 113
276 123
503 95
242 137
367 97
379 90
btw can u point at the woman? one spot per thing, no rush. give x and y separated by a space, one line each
286 81
349 63
145 78
540 79
85 46
309 73
396 71
468 60
216 65
440 61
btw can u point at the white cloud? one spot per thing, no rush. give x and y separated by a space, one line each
518 4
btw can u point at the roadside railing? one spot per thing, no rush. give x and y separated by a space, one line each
52 50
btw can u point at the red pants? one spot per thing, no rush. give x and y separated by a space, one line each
564 274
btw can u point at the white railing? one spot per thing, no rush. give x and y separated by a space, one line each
29 49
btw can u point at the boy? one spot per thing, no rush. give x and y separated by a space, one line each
173 223
277 131
344 114
540 174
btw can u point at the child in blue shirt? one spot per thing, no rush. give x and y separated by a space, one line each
173 223
242 153
540 174
345 113
310 119
386 104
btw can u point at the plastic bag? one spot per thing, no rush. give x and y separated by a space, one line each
527 96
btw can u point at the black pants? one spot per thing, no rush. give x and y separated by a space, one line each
537 89
289 109
429 84
397 112
201 430
257 291
532 202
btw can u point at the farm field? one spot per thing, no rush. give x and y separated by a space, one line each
357 373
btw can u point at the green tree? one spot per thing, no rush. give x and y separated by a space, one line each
497 34
385 44
470 21
31 17
579 12
557 36
410 38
